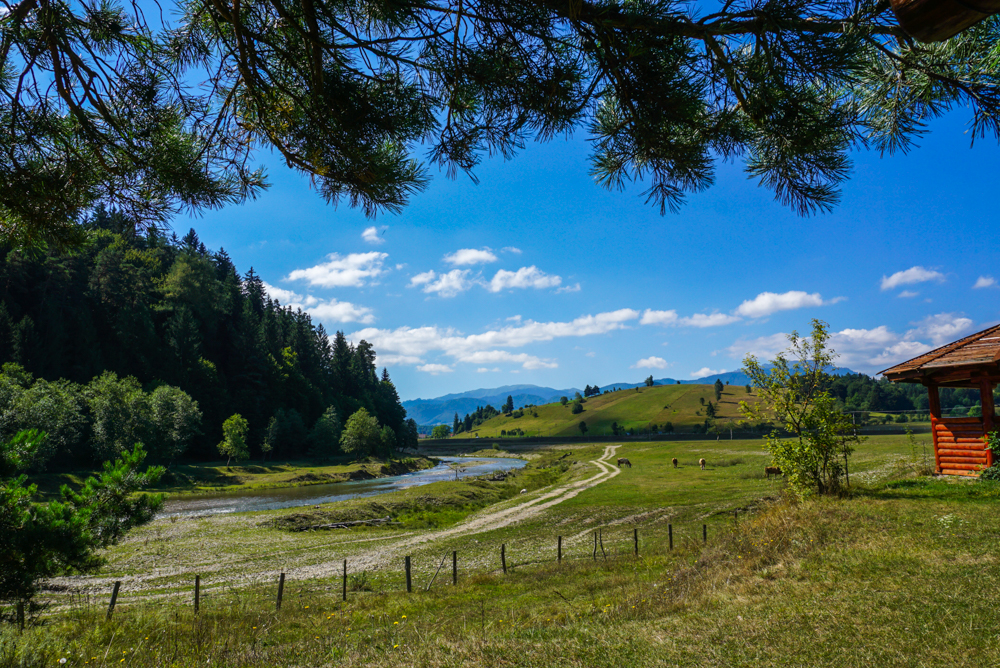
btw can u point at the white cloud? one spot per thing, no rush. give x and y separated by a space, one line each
511 249
451 284
767 303
402 360
355 270
941 328
499 356
651 363
525 277
984 282
911 276
569 288
435 369
420 341
708 320
869 350
591 354
651 317
483 369
286 297
908 294
335 311
705 371
374 235
467 256
329 310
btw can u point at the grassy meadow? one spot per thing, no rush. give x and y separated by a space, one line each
901 572
679 404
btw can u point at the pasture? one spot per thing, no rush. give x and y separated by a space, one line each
682 405
902 572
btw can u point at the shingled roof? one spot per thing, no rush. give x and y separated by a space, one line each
981 350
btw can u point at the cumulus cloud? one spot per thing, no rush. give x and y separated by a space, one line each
651 363
651 317
354 270
911 276
435 369
402 360
708 320
499 356
374 235
450 284
767 303
417 342
941 328
329 310
705 371
984 282
908 294
336 311
511 249
467 256
870 350
483 369
569 288
525 277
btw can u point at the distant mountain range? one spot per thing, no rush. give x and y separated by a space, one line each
441 410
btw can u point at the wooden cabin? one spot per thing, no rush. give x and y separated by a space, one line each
959 442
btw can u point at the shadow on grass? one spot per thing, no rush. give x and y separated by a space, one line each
933 488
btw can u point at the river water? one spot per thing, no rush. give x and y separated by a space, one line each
310 495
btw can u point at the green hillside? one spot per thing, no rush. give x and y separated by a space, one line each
638 408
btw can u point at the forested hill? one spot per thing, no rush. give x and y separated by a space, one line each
169 311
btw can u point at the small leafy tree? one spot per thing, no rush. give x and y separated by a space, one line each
718 389
564 400
649 381
710 409
42 540
362 436
440 431
577 408
234 439
793 394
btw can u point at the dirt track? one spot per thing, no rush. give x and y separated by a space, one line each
487 520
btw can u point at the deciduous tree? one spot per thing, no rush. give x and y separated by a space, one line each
234 435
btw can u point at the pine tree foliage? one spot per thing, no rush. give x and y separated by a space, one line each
100 100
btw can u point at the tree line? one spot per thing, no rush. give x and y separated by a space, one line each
175 340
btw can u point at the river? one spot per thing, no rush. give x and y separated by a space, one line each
310 495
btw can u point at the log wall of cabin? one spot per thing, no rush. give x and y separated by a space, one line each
960 443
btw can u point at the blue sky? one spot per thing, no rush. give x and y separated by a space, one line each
538 275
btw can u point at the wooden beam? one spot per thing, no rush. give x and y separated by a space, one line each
934 401
986 395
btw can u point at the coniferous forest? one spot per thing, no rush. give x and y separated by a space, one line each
147 337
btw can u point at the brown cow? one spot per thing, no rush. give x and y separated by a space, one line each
623 461
772 470
675 462
702 462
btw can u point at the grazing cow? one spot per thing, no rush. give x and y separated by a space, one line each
524 491
772 470
623 461
701 462
675 462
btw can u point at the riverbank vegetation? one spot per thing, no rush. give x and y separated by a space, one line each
899 572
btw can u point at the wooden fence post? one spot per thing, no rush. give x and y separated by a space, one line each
197 592
20 615
454 567
595 545
114 598
559 550
600 536
704 533
670 534
409 582
635 539
344 596
281 591
503 557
